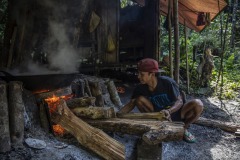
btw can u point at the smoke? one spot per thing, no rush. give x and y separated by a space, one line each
62 55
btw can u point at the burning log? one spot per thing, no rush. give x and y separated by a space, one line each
88 136
229 127
16 112
59 92
81 102
5 144
152 132
94 112
113 93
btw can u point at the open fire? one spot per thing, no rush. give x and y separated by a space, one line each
51 102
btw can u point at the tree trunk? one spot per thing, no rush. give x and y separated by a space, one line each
152 132
5 144
235 5
16 112
170 37
176 41
90 137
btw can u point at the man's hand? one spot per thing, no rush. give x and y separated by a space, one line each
167 114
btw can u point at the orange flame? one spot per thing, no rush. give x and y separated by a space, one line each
58 130
51 101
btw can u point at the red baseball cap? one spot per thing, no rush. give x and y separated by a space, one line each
148 65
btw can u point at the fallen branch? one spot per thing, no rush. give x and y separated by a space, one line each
229 127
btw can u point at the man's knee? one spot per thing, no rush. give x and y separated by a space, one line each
140 100
198 105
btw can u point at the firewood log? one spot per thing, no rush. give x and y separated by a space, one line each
16 112
59 92
152 132
94 112
5 143
113 93
96 91
81 102
87 88
90 137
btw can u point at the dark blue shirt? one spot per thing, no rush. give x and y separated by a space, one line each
164 95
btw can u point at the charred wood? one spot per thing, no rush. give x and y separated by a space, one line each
59 92
78 88
44 118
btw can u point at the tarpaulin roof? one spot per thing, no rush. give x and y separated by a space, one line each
188 10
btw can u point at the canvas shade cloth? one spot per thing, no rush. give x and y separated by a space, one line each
188 10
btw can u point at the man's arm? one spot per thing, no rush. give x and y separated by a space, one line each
128 107
177 105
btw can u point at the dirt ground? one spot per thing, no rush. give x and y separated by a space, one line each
212 143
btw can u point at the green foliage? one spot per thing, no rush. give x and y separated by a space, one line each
210 37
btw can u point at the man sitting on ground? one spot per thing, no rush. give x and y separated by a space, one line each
161 93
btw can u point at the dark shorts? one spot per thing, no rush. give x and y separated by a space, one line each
176 116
